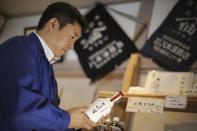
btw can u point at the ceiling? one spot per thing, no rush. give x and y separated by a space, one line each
21 8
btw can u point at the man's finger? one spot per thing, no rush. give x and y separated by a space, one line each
107 116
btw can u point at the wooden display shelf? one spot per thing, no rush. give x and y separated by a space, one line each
191 100
130 79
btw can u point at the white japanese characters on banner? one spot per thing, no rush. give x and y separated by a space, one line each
104 46
173 45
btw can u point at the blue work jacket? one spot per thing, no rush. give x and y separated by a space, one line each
28 89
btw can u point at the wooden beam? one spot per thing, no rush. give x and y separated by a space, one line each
191 100
145 13
14 10
131 74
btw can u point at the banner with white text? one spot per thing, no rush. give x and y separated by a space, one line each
104 46
174 44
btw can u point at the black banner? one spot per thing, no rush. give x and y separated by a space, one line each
104 46
174 44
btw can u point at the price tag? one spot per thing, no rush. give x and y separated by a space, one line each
179 102
147 105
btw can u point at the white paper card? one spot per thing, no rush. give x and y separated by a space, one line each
148 105
173 83
179 102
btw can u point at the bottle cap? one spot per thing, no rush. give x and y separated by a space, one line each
108 120
116 119
116 97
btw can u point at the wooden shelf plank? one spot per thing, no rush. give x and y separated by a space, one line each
191 100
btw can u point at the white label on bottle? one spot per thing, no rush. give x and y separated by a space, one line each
179 102
148 105
98 109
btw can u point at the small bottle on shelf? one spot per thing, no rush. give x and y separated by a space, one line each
104 126
116 124
102 107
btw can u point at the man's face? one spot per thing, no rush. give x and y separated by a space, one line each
64 39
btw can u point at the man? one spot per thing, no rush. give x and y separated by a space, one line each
28 89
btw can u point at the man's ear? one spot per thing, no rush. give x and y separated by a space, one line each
53 24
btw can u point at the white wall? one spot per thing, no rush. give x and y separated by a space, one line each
160 11
15 27
78 92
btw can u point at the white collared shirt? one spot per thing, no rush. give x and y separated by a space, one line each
48 52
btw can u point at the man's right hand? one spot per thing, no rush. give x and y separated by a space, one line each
79 119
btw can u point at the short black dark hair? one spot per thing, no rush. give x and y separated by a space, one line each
65 13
